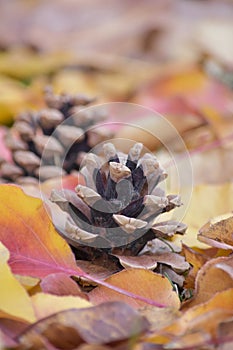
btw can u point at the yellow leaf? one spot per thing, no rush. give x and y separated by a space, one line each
47 304
14 301
28 282
207 201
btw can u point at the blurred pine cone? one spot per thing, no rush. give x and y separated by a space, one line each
114 214
70 126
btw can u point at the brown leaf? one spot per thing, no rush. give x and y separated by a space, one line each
159 318
93 269
207 201
93 347
198 325
215 276
218 232
102 324
197 260
12 328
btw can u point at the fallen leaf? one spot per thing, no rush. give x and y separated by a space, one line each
13 98
211 31
225 331
198 325
215 276
15 303
102 324
218 232
159 318
28 282
6 342
97 270
13 328
36 249
207 201
45 304
195 87
60 284
138 281
93 347
196 260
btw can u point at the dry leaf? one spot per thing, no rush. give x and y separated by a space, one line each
196 260
102 324
198 325
15 303
36 249
207 201
218 232
141 282
159 318
60 284
45 304
215 276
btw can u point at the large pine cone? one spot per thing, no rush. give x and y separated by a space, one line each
115 212
70 129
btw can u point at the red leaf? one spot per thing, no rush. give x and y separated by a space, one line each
36 249
61 284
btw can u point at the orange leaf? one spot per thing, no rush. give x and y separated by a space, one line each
141 282
199 324
197 260
215 276
36 249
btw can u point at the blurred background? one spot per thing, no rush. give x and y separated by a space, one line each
174 56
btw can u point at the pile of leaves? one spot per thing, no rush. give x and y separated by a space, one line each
46 300
51 298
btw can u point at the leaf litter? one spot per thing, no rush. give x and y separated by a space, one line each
50 300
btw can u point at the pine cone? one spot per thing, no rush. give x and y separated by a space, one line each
70 130
114 214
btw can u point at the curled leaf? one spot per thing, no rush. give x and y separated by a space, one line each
218 232
216 275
